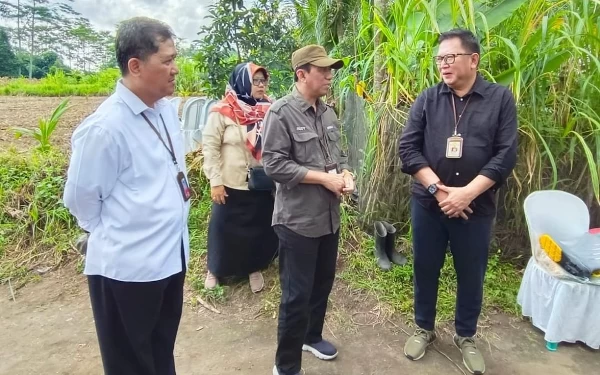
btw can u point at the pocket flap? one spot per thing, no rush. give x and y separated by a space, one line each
304 136
333 135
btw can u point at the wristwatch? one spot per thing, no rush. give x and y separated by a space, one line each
432 189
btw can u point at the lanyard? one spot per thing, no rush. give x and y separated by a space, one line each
171 150
323 140
456 121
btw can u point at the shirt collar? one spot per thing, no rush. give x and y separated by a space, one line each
479 87
304 105
134 103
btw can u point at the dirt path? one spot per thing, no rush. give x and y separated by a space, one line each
49 330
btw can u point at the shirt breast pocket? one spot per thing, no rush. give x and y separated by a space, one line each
481 130
306 148
334 136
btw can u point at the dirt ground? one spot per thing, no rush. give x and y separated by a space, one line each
48 328
25 111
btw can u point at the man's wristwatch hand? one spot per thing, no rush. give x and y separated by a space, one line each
433 188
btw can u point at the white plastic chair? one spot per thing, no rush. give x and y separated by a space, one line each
565 307
176 102
193 119
565 218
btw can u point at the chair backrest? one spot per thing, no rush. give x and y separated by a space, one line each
562 215
194 116
190 116
176 102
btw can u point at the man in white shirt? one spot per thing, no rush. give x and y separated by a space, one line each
127 187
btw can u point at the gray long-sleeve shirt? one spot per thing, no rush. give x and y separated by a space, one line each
297 139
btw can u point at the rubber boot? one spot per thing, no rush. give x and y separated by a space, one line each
380 239
390 245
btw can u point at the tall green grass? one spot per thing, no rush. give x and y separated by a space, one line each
545 51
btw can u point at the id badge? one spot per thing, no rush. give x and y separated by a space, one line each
331 168
184 186
454 147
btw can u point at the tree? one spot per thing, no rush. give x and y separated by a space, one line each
8 60
54 26
262 33
42 64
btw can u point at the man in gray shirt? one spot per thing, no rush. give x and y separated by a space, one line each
302 153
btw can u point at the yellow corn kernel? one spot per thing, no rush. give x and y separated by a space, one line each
551 248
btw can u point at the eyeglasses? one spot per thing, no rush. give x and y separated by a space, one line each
260 81
448 59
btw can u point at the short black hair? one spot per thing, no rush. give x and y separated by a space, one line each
467 39
306 67
139 37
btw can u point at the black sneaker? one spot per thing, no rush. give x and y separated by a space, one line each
323 350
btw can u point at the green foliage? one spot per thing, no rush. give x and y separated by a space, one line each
45 127
8 60
36 228
324 22
59 83
546 52
43 64
189 79
262 34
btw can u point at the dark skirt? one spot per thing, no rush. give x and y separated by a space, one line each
241 239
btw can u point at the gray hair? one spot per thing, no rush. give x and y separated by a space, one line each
139 37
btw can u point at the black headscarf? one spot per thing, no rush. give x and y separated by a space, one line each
241 81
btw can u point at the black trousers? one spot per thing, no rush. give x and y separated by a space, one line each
136 323
469 244
306 272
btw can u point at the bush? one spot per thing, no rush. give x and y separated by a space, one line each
36 227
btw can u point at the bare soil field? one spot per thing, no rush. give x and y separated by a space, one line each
25 111
47 328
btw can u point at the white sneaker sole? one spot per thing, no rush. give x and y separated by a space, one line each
465 363
419 357
318 354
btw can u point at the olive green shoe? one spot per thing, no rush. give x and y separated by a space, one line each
417 344
472 358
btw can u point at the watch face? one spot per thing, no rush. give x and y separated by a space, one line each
432 189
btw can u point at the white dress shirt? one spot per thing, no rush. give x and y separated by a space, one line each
122 188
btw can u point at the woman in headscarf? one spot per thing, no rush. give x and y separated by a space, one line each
241 240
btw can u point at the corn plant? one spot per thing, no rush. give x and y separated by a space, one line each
45 127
